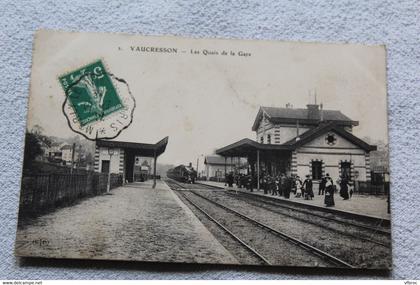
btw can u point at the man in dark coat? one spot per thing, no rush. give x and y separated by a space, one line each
282 184
329 191
322 186
277 185
273 186
307 186
250 183
288 187
262 183
230 179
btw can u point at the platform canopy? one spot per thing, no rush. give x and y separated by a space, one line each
247 147
140 149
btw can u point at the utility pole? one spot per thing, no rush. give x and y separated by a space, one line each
197 166
72 157
110 152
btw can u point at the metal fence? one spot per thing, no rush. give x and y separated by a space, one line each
144 177
362 187
43 192
217 179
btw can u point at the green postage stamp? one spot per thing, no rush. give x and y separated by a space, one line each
97 104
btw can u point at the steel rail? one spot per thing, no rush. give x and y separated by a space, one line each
376 230
324 255
189 187
248 247
247 199
173 182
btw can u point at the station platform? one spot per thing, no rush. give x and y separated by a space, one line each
366 205
132 222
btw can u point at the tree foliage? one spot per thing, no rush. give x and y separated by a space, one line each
32 149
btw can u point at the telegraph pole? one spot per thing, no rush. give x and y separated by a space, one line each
197 167
72 157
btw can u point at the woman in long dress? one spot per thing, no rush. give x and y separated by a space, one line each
344 189
298 187
329 192
288 187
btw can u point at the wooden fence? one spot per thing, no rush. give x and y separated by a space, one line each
43 192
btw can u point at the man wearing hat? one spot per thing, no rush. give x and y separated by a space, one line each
322 186
307 186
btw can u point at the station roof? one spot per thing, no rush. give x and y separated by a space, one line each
278 115
141 149
247 146
216 160
323 129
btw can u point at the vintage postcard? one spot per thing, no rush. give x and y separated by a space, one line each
169 149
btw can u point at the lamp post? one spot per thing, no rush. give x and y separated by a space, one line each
110 152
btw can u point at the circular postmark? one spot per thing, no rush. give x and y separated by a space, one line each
97 105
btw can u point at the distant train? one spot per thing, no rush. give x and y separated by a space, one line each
182 173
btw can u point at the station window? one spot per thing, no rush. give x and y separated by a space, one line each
105 166
316 170
345 169
262 139
269 139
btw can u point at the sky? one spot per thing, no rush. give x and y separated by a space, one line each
204 102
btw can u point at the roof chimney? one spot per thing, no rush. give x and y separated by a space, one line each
313 111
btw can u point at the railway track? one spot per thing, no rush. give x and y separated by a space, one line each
326 257
373 228
309 220
312 213
230 233
251 197
188 186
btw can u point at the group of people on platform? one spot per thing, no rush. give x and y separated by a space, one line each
283 185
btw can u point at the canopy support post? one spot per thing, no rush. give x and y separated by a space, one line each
154 170
258 169
225 171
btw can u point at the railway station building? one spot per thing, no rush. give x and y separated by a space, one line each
309 141
216 166
120 157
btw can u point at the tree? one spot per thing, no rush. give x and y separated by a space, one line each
379 157
32 149
37 130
